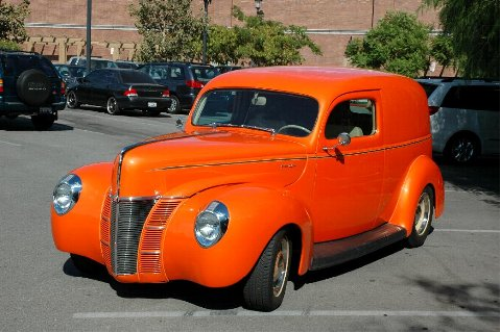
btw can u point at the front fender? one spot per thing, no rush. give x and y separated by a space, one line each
256 214
421 173
77 231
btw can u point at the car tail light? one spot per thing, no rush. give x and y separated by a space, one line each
63 88
1 85
131 92
433 109
194 84
166 93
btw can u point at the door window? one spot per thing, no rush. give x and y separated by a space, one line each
355 117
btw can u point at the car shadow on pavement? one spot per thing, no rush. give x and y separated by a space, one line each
208 298
480 177
338 270
24 124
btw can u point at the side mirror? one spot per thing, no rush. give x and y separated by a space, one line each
344 139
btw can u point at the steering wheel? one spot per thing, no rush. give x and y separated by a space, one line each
294 127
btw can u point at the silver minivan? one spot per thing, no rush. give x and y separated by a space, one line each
464 117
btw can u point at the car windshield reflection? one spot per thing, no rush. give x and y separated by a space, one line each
274 112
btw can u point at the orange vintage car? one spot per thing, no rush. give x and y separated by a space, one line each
277 172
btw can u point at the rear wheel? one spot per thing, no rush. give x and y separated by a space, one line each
175 106
112 106
43 122
462 149
265 288
422 221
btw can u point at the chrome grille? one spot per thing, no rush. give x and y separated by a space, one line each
127 222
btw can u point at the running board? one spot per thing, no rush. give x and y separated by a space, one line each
327 254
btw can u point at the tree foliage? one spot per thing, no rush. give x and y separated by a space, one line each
266 42
474 27
441 50
12 22
399 44
168 28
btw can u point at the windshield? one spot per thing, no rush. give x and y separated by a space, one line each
281 113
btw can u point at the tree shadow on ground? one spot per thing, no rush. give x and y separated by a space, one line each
480 177
479 299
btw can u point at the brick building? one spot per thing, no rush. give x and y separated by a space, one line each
57 28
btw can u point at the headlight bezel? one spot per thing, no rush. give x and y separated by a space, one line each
66 194
208 234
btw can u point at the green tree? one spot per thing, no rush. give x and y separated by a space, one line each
168 29
265 42
474 27
441 50
12 23
398 44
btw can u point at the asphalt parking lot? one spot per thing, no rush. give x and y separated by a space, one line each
452 283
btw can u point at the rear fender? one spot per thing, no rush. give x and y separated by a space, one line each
256 214
77 232
421 173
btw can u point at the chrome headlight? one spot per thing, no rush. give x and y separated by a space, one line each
66 193
211 224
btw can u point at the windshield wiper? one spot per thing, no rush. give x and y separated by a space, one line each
214 125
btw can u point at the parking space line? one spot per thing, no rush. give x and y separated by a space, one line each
9 143
287 313
466 230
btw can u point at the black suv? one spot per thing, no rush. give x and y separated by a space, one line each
184 80
30 85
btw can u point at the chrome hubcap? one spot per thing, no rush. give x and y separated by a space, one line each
281 264
71 99
111 106
173 105
423 213
462 150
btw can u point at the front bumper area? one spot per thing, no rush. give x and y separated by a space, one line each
131 232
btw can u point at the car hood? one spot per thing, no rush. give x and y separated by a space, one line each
182 164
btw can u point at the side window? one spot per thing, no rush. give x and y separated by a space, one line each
176 73
355 117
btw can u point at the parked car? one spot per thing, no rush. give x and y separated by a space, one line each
95 63
278 171
30 85
118 90
69 74
184 80
465 117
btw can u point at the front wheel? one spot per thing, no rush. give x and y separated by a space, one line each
423 219
112 106
72 100
265 288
